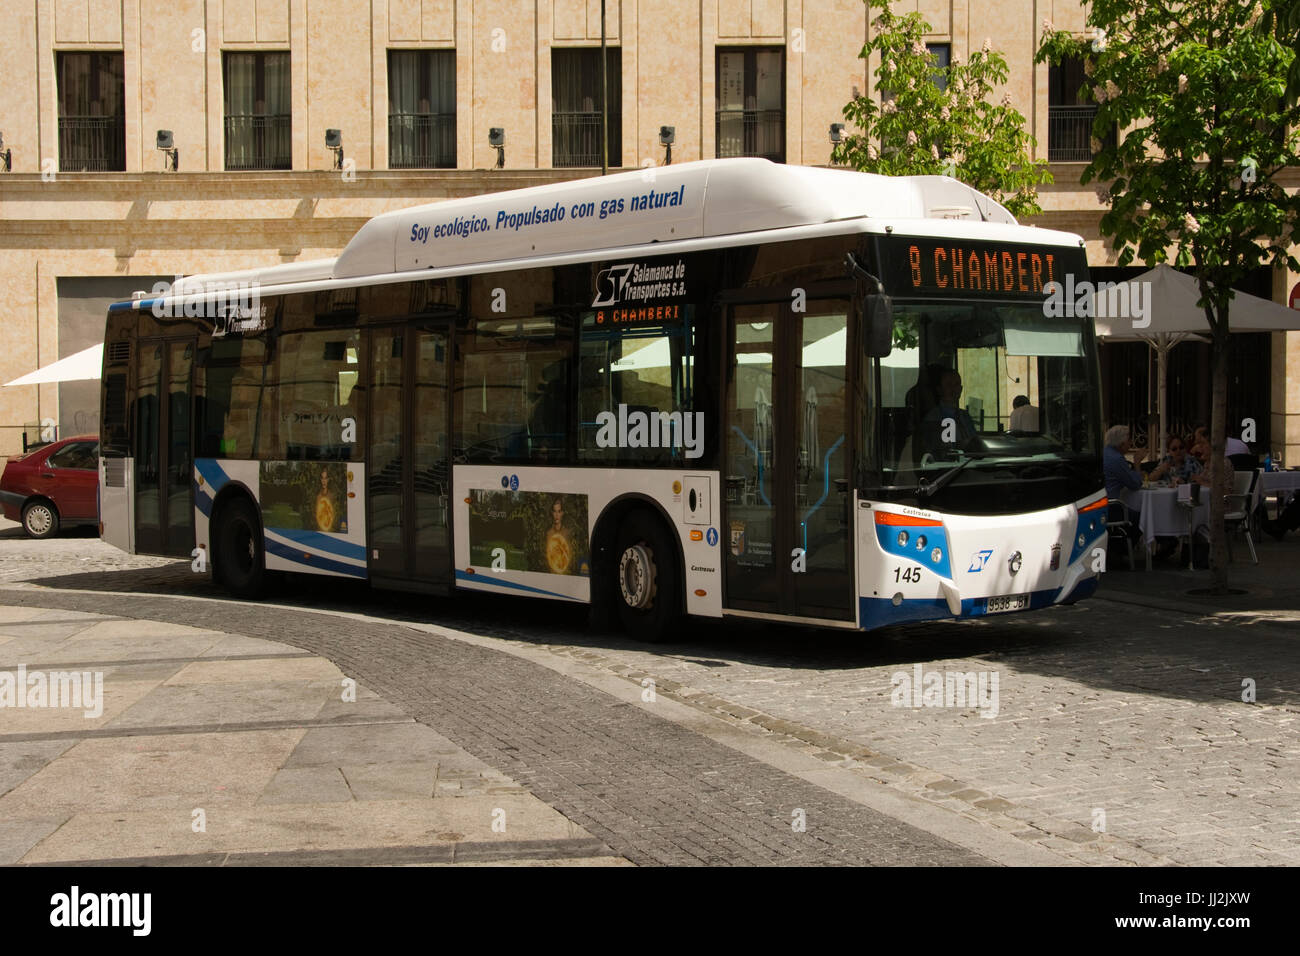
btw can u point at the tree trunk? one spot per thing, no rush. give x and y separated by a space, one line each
1218 430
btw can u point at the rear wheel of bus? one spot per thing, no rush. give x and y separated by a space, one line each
647 584
240 561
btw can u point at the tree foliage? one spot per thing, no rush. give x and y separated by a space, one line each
940 121
1197 90
1282 17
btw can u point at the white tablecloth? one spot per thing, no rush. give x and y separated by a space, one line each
1280 482
1162 515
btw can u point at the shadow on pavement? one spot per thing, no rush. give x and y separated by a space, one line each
1097 643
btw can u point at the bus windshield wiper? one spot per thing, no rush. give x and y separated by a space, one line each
933 487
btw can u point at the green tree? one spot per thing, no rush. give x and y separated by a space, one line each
1282 17
1196 88
936 121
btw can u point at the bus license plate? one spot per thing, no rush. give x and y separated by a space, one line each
1008 602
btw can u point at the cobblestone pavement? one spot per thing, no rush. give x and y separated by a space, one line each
1121 734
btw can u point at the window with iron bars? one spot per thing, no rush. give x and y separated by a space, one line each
1069 116
751 102
421 109
258 117
576 107
92 112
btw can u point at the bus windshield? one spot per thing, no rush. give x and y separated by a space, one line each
975 388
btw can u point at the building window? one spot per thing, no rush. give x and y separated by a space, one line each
92 112
1069 118
258 113
942 54
751 103
422 109
575 107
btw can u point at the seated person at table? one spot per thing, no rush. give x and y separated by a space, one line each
1024 417
1201 452
1177 464
1231 447
1120 475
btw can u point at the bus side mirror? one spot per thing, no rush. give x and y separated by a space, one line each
878 327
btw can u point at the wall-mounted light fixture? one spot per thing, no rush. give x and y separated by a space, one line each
667 136
334 141
497 140
171 155
837 137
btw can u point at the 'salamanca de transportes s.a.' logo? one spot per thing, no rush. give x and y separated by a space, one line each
640 282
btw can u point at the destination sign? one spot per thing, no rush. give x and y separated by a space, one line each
946 266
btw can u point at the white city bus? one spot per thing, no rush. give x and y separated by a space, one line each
724 388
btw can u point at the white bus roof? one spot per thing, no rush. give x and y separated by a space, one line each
710 199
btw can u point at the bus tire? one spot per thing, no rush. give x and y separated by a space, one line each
647 589
240 559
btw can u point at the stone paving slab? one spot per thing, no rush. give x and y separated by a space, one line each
177 770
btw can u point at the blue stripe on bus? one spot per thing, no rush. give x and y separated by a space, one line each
881 612
484 579
321 542
315 562
212 473
203 501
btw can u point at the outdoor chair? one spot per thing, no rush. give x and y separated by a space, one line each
1119 522
1237 509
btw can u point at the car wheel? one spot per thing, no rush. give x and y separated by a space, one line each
647 591
40 519
240 561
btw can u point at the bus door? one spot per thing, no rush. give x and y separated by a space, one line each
789 438
164 471
408 461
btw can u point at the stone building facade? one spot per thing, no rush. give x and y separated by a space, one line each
249 88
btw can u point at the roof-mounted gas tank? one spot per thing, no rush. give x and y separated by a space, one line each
711 198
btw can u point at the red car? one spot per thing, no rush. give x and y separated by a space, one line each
55 485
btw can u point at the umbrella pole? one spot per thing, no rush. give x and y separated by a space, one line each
1162 363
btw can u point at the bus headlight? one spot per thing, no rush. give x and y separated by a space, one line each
902 539
936 555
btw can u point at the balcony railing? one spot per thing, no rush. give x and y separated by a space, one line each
259 142
575 139
1069 133
93 144
752 133
421 140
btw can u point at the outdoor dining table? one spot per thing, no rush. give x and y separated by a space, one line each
1281 484
1161 514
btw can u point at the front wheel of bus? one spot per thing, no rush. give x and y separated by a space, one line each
647 590
240 559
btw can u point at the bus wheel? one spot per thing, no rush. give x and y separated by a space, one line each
240 560
40 520
647 592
